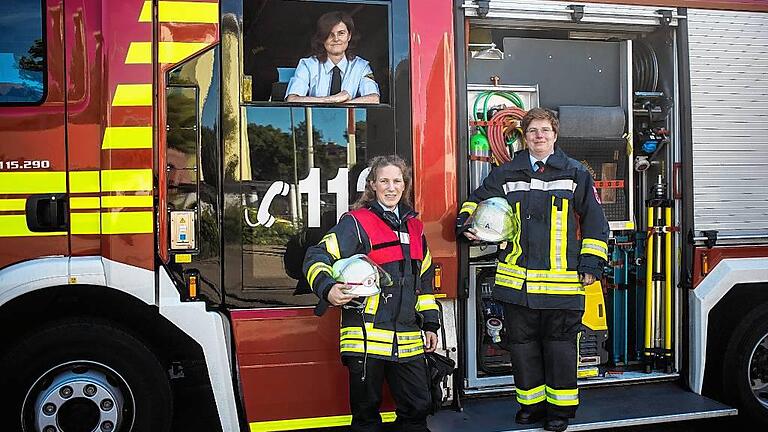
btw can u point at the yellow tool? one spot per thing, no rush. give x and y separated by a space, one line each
658 281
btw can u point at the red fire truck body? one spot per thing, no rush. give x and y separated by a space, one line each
156 192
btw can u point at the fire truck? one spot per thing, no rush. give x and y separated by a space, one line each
156 192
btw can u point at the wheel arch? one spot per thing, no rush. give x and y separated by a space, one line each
740 302
35 309
733 288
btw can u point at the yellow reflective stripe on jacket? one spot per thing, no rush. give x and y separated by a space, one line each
315 269
516 251
360 346
372 304
508 282
558 235
468 207
553 276
405 338
426 262
532 396
426 302
331 245
371 334
554 288
594 247
33 182
404 351
511 270
565 397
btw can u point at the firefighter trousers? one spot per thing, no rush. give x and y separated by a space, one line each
407 383
543 348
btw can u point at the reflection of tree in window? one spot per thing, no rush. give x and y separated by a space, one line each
34 62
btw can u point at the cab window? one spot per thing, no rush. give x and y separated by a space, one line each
22 52
285 50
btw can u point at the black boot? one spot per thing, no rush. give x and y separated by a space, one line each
529 416
556 424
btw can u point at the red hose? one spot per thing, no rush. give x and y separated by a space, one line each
502 125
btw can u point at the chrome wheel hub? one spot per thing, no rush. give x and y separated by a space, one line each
80 396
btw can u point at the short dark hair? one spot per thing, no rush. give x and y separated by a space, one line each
541 114
323 28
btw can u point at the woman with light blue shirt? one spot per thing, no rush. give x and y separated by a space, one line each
334 74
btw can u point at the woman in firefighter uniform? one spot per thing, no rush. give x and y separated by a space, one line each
383 338
559 248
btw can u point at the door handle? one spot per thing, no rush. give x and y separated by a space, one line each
47 213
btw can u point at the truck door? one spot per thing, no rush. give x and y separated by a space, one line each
33 216
290 171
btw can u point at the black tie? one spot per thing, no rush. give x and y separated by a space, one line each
539 167
335 80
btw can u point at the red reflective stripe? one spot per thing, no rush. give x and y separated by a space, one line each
380 233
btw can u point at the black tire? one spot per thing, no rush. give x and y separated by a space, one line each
42 363
745 368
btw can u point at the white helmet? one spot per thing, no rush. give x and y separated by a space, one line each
363 277
494 220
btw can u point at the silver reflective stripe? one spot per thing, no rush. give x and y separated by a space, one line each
536 184
545 276
536 288
509 282
511 270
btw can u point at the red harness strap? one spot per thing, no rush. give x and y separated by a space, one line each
385 244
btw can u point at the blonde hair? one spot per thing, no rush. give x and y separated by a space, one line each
369 195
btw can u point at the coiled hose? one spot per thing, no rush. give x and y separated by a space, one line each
502 130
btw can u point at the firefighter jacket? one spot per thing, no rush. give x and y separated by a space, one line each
563 231
389 325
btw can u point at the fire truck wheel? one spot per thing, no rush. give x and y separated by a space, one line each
84 375
745 367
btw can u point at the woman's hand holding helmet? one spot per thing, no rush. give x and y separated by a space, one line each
337 296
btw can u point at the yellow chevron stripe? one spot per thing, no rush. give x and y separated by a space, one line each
146 12
77 203
168 52
133 95
33 182
127 137
127 223
126 180
84 223
13 204
182 12
16 226
125 201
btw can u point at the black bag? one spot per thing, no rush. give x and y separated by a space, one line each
438 368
